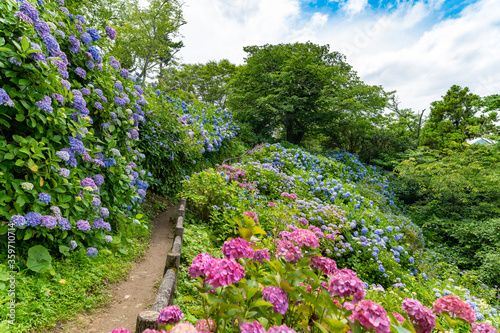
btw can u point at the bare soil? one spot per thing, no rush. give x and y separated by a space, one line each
135 294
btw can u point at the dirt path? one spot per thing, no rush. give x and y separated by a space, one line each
135 294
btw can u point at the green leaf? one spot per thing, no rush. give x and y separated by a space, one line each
259 303
28 234
39 259
400 329
8 156
25 44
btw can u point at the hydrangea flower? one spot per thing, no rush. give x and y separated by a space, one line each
200 265
80 72
124 73
277 297
260 255
33 219
81 19
304 237
170 315
108 239
45 104
111 32
23 17
64 223
288 250
422 318
253 327
94 51
76 145
59 98
92 252
280 329
27 186
345 283
483 328
326 265
18 220
454 306
372 316
223 272
94 34
5 98
207 325
64 172
237 248
73 244
44 197
27 9
184 327
83 225
252 215
48 221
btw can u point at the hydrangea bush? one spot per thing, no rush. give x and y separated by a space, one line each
69 129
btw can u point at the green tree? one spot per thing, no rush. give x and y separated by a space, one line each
100 13
207 82
145 42
453 119
289 90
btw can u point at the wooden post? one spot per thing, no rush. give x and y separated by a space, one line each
146 320
166 291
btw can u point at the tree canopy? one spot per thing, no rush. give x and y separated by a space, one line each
288 90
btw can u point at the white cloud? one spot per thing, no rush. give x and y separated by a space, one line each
401 51
353 7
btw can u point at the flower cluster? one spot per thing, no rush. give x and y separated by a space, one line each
372 316
277 297
455 307
237 248
170 315
345 283
422 318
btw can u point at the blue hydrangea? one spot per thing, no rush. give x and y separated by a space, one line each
94 34
104 212
74 44
51 43
86 38
5 98
81 19
42 28
80 72
30 11
44 197
33 219
45 104
18 220
94 52
64 224
76 145
92 252
48 221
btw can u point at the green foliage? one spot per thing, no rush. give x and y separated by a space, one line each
288 90
146 41
207 82
453 119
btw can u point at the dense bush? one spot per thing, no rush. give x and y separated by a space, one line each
69 118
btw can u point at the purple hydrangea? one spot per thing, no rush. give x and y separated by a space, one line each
134 134
64 224
119 101
277 297
64 172
33 219
280 329
104 212
422 318
111 32
80 72
64 10
170 315
345 283
92 252
23 17
5 98
372 316
200 265
98 223
114 63
83 225
45 104
81 19
66 85
86 38
260 255
18 220
124 73
98 92
88 182
59 98
118 86
51 43
44 197
96 202
94 34
85 91
142 193
48 221
98 105
14 61
30 11
42 28
76 145
98 179
74 46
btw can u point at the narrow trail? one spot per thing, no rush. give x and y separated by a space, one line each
135 294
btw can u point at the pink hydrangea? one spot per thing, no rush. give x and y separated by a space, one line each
455 306
285 235
280 329
277 297
120 330
253 327
399 317
260 255
304 237
289 195
422 318
237 248
483 328
153 331
252 215
287 249
170 315
326 265
345 283
224 272
184 327
206 325
372 316
201 263
271 204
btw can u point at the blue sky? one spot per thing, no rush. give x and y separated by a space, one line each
418 48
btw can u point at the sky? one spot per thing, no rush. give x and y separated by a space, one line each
418 48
